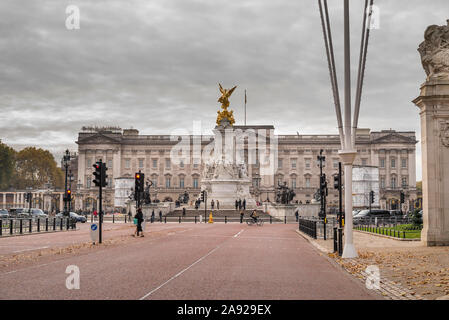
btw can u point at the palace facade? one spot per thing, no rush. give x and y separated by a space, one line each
126 152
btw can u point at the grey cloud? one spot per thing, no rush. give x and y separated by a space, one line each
155 65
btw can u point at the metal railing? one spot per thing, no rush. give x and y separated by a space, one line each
15 226
308 226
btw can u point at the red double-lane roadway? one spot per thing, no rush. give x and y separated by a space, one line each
193 261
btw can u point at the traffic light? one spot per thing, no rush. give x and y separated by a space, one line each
371 196
336 182
97 173
402 197
202 195
139 182
69 195
103 175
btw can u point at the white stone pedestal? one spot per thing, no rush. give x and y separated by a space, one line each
434 104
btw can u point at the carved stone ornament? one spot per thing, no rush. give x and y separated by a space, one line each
444 133
434 52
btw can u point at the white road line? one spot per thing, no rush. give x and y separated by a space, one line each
236 235
30 249
178 274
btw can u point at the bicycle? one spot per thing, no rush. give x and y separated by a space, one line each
250 222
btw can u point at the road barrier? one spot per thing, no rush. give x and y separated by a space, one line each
14 226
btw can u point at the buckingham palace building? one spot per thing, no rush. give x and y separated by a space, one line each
126 152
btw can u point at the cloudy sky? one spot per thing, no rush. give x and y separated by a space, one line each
154 65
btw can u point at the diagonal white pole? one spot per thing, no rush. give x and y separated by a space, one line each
347 154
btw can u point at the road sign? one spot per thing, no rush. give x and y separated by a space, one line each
94 234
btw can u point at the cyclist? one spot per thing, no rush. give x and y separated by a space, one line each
254 215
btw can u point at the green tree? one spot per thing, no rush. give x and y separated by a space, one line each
36 167
7 162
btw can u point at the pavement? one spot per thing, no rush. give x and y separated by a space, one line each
176 261
408 270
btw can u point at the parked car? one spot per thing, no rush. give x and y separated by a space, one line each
17 213
373 213
4 214
35 213
73 215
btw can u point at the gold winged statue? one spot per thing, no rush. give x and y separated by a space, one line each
224 100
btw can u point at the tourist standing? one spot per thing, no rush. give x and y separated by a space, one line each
241 216
160 216
139 218
244 204
152 216
236 204
218 205
183 211
212 204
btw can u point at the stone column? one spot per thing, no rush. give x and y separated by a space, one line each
434 111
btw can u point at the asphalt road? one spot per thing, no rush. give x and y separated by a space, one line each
191 261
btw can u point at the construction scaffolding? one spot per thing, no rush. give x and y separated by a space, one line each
364 180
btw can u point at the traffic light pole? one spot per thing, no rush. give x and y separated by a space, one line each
100 198
205 206
340 200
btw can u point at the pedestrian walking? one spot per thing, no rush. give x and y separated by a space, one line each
241 216
160 215
244 204
139 220
129 215
218 205
212 203
236 204
296 215
152 216
240 204
183 211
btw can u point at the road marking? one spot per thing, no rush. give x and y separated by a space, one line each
178 274
236 235
30 249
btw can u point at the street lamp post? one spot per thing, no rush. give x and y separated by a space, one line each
66 160
321 162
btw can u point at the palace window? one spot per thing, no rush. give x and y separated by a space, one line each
127 163
393 162
181 164
279 163
154 163
363 162
293 163
293 183
404 163
255 182
89 162
382 182
167 182
307 163
181 182
167 163
393 182
335 163
88 182
195 183
404 182
109 164
307 182
382 163
140 163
